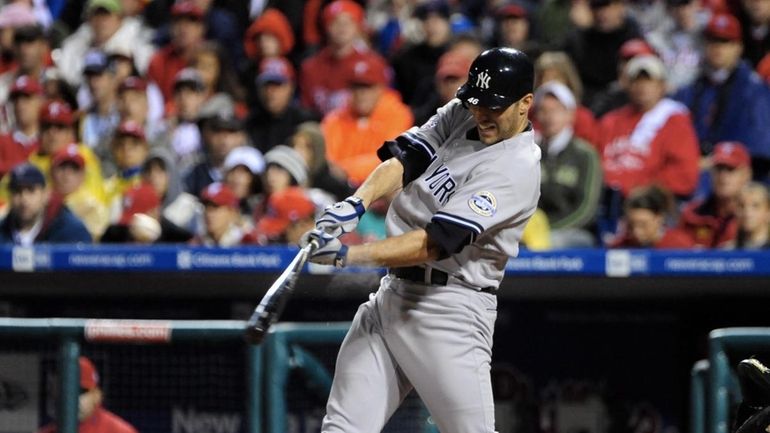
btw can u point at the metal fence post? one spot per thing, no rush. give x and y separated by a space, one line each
698 389
69 385
255 389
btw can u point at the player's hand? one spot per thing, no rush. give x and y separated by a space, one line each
341 217
330 250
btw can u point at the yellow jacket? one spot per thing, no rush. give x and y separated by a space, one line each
537 233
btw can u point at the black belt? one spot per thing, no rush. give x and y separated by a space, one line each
427 276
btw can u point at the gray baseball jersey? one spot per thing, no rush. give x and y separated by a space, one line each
489 190
474 201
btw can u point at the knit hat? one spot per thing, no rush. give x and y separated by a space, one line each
288 158
271 21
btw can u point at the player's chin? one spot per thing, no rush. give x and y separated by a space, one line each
488 135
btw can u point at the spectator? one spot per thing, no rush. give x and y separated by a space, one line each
290 213
105 29
92 415
184 131
187 30
537 233
728 101
616 93
101 118
756 29
285 168
222 134
57 131
650 140
571 175
309 143
35 215
133 105
679 41
557 66
141 220
647 209
374 114
269 36
179 208
711 222
276 115
32 55
243 170
55 88
324 77
763 69
512 30
67 177
220 83
129 151
222 219
23 140
611 27
753 215
415 65
12 16
451 73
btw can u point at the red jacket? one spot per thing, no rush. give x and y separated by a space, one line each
164 65
701 224
665 151
13 151
324 78
671 240
101 421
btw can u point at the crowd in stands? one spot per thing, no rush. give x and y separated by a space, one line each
223 123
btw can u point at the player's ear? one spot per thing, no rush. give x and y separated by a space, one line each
525 103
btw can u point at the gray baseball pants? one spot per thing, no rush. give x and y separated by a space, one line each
437 339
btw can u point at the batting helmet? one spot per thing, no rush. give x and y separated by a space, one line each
498 78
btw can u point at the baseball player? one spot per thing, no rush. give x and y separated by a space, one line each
469 181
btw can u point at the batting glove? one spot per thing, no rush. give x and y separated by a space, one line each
330 250
341 217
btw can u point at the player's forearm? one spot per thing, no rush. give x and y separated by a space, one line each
385 179
412 248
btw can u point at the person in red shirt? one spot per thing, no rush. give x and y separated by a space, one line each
93 417
23 140
651 140
374 114
646 212
324 77
187 34
711 222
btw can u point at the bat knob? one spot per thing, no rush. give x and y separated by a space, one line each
254 335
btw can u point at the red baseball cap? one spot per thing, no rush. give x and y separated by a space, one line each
453 64
725 27
89 377
187 8
731 153
141 198
220 195
131 129
635 47
26 85
511 11
57 113
275 70
284 208
335 8
369 71
133 83
69 153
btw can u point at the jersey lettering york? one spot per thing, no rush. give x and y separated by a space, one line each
441 184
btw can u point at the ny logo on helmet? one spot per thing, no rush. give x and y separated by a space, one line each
482 80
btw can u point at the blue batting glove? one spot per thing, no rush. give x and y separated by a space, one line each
330 250
341 217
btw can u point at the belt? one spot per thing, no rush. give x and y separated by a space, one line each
432 276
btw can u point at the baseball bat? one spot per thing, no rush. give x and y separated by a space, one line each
272 304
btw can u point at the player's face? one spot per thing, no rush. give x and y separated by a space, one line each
644 225
498 125
753 211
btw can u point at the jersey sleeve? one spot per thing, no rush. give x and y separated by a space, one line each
488 200
416 147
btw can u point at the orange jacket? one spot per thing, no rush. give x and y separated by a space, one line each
352 142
